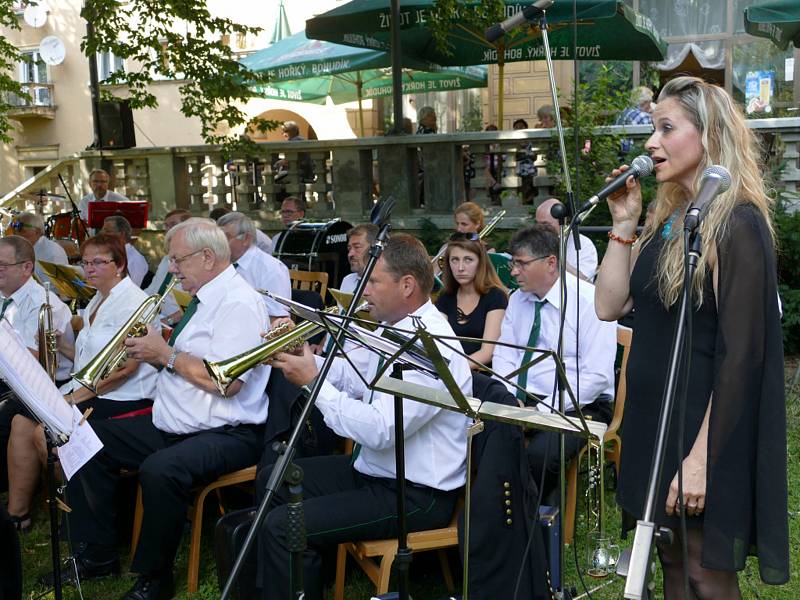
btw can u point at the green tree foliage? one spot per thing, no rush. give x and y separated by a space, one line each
478 15
9 57
177 39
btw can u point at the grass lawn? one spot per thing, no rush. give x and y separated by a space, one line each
426 579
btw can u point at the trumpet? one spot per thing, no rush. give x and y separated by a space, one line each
438 260
114 354
48 342
284 338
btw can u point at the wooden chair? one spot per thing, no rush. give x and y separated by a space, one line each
196 515
376 557
612 444
316 281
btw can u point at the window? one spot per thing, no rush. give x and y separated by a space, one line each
107 64
32 70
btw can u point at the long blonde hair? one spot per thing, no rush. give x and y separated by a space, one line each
726 141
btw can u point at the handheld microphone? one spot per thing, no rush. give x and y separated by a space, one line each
498 30
716 179
641 166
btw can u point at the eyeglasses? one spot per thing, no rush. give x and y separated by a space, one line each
19 225
516 263
469 236
177 260
6 265
96 263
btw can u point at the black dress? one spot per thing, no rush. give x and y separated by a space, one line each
736 355
471 325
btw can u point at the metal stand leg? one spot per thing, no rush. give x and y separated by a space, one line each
53 511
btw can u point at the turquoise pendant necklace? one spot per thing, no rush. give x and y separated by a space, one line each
666 230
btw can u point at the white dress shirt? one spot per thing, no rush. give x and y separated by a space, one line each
597 343
110 315
23 315
435 439
111 196
228 321
349 283
169 306
588 258
264 272
137 264
49 251
263 242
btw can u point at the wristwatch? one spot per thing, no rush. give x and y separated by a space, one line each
171 362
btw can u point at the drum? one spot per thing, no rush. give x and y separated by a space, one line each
315 246
65 225
502 264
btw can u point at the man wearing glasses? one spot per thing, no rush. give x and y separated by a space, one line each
31 227
194 434
98 181
532 319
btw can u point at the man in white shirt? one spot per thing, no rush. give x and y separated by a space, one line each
98 182
20 300
170 311
587 268
137 263
263 241
194 434
258 268
359 240
353 497
532 319
31 227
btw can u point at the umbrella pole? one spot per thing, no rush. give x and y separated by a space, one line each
397 69
359 89
501 67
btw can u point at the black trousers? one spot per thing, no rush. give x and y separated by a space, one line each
341 505
170 467
543 451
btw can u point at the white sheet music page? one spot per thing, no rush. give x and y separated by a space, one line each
83 444
23 374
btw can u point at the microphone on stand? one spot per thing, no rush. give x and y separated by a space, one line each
715 180
641 166
498 30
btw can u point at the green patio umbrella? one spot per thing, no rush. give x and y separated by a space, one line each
778 21
304 70
607 30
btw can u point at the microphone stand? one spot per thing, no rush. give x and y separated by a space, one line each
638 569
381 214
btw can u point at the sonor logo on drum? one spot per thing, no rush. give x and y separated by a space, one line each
336 239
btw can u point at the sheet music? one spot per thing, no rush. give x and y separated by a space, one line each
83 444
23 374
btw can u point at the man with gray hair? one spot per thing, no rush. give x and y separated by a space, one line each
638 114
359 240
31 227
258 268
137 264
98 182
194 435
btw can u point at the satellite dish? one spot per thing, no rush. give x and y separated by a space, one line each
35 15
52 50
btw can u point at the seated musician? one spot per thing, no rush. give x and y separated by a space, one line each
98 182
263 241
473 299
588 253
21 298
359 240
137 263
353 498
194 435
259 269
532 319
467 218
170 311
31 227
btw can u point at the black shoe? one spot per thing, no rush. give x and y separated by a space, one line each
90 562
150 587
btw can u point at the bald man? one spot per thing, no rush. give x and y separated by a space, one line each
588 254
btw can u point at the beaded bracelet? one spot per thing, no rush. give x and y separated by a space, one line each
613 236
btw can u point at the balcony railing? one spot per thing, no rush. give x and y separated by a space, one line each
348 174
39 104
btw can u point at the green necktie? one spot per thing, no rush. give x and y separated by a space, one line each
167 280
236 265
522 378
190 310
6 302
357 446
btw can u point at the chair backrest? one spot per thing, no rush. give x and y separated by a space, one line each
316 281
624 335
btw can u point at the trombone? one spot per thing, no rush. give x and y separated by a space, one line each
284 338
436 261
46 334
114 354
